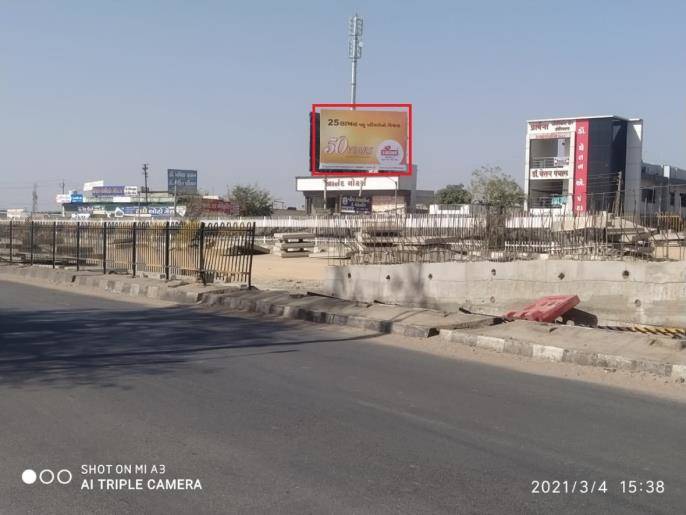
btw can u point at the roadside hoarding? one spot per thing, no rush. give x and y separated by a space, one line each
130 191
107 191
76 198
219 207
182 181
88 186
368 139
62 198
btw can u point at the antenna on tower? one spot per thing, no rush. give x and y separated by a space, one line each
355 26
34 198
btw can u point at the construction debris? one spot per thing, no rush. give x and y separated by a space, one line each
293 244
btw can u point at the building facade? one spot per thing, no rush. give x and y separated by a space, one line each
357 194
595 163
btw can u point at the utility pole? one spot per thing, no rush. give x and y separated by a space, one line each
355 26
63 185
145 175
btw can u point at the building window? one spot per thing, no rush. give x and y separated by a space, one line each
648 196
683 199
671 199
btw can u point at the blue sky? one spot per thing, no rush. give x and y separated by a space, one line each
92 89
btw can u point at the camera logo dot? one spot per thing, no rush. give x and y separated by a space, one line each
47 476
29 477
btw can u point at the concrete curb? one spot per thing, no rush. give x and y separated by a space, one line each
173 291
561 355
332 311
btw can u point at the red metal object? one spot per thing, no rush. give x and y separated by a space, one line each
546 309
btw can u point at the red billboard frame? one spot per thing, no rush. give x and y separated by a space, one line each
344 173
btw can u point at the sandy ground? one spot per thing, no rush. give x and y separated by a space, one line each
272 272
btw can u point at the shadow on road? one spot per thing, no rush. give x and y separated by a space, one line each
103 347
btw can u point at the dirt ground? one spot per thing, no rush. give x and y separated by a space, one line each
272 272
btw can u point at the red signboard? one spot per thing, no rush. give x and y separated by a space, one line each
580 166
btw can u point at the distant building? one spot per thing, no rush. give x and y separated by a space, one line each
594 163
354 194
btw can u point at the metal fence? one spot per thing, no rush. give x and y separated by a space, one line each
214 251
504 235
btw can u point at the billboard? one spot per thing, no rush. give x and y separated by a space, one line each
182 181
107 191
370 138
88 186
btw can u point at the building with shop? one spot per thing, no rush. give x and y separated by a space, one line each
595 163
357 194
98 200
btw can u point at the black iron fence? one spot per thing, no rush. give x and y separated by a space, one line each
208 251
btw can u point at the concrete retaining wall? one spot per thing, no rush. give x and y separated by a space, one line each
615 291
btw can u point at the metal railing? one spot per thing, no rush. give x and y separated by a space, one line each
208 251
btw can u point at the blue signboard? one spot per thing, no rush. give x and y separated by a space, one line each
182 181
358 205
76 198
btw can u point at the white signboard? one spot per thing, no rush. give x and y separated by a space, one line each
88 186
548 173
16 213
63 198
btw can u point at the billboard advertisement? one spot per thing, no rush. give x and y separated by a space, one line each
107 191
182 181
371 138
88 186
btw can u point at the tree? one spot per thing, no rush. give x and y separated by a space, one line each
453 194
490 185
252 200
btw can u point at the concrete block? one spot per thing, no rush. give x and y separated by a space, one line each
547 352
679 371
518 348
490 343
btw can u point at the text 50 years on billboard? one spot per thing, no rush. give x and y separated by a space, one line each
371 138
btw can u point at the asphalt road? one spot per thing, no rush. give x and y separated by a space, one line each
276 416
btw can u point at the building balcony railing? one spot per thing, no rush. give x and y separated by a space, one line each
549 162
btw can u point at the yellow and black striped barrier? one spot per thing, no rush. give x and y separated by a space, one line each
647 329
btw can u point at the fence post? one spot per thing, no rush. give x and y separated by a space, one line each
251 250
31 241
11 238
166 251
78 245
104 248
202 252
133 251
54 242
